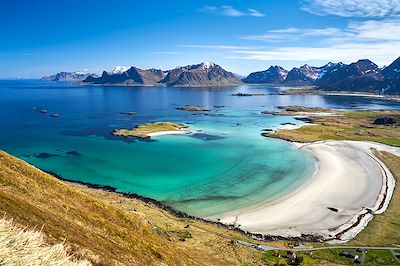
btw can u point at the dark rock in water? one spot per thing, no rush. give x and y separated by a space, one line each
206 137
304 119
249 94
333 209
192 108
385 121
44 155
288 123
74 153
219 106
267 130
128 113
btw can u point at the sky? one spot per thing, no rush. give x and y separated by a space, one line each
44 37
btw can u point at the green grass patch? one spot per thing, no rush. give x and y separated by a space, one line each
142 131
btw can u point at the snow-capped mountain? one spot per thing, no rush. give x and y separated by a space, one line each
204 74
119 70
362 75
273 75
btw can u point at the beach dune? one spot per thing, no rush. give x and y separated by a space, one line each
349 185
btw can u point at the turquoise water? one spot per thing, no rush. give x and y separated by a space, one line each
228 165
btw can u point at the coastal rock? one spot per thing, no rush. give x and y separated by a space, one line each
192 108
386 121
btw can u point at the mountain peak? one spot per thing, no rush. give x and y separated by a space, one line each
119 70
207 64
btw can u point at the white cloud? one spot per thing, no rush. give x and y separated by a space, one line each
231 11
381 54
352 8
378 40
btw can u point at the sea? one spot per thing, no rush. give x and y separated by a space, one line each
225 165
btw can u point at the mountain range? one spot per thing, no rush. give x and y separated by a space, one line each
205 74
360 76
68 76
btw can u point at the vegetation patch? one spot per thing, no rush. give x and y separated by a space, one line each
143 131
360 125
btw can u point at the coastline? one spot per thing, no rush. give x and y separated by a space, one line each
354 213
335 204
171 132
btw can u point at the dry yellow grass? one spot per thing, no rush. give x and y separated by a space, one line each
20 246
107 228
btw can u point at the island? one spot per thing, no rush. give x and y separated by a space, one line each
192 108
148 130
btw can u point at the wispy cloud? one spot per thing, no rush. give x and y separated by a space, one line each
220 47
163 53
375 39
378 40
352 8
291 34
231 11
356 31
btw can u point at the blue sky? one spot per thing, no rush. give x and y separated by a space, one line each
44 37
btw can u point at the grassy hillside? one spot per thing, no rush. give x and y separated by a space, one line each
106 228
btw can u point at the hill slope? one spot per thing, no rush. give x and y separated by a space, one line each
98 228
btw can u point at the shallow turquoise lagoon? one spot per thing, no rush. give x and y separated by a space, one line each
226 165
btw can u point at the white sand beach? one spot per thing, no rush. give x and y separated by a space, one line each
172 132
349 179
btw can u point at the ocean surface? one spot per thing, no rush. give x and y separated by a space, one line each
226 165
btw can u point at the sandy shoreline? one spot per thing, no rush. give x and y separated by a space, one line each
172 132
348 187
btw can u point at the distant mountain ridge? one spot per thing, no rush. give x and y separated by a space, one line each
205 74
360 76
68 76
